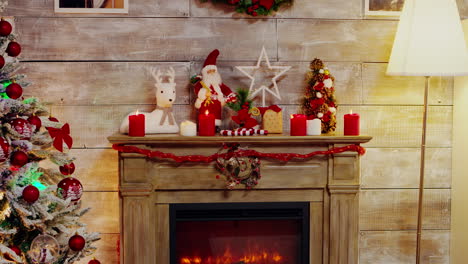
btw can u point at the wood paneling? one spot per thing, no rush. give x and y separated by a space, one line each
399 168
140 8
97 169
107 250
168 39
396 209
104 214
97 83
401 126
379 88
335 40
300 9
385 247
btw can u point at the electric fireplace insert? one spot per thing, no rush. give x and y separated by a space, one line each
239 233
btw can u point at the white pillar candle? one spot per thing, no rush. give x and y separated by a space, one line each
188 129
314 127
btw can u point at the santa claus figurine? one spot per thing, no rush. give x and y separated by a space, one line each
212 93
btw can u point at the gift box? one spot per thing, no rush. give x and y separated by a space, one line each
272 119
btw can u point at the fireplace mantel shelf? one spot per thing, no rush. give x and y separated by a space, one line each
272 138
329 184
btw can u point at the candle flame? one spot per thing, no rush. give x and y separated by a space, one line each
292 116
206 112
351 111
136 112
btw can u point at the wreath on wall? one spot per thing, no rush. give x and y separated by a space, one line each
254 7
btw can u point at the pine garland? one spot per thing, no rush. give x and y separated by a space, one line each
319 100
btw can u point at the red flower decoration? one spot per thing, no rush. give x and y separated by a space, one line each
318 86
61 135
244 119
267 4
316 103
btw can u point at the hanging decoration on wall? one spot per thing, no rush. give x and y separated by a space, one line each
231 168
254 7
319 99
238 170
250 71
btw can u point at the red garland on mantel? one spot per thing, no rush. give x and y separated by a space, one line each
241 153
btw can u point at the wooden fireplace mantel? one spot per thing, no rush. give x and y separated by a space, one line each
329 183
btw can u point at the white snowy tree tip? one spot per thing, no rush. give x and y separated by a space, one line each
3 5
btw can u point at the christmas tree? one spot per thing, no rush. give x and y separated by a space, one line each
319 100
39 205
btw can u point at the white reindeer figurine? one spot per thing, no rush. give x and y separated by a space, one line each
161 120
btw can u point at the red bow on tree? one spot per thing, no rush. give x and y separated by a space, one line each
60 136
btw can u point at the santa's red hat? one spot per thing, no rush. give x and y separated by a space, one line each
211 59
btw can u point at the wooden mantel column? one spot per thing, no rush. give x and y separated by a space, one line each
137 239
330 184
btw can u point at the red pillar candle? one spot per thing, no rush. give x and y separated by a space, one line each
298 125
351 124
136 125
206 124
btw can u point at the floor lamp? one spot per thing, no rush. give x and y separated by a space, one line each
429 42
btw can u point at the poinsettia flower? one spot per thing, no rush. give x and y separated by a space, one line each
244 120
318 86
267 4
316 103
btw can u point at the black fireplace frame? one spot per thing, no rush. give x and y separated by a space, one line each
242 211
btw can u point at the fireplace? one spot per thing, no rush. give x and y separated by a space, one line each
232 233
174 213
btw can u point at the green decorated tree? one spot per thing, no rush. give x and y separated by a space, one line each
319 99
40 205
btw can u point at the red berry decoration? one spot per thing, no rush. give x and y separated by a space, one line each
14 91
94 261
30 194
36 121
22 127
13 49
76 243
5 28
67 169
4 149
19 158
2 62
70 188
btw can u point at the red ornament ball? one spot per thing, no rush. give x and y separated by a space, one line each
30 194
5 28
19 158
67 169
36 121
94 261
76 243
13 49
4 148
2 62
70 187
14 91
22 127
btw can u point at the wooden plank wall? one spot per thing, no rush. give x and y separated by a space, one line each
92 68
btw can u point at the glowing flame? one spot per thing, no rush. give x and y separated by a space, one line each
351 111
136 112
262 257
206 112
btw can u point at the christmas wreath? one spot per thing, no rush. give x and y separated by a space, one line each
254 7
319 100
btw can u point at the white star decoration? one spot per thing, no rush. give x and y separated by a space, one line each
252 69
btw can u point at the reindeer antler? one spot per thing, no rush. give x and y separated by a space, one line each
171 74
156 74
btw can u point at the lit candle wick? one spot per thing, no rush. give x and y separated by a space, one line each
136 112
351 111
206 112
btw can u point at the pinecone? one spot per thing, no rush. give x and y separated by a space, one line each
316 65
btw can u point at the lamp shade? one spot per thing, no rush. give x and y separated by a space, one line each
429 40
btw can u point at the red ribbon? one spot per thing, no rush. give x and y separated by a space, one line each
61 135
271 107
240 153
